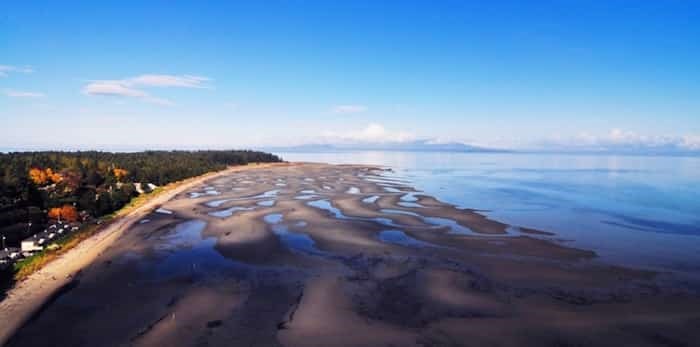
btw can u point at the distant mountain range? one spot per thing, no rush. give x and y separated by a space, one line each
412 146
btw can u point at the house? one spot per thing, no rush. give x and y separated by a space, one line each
35 243
140 187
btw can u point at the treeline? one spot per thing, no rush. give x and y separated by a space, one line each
95 183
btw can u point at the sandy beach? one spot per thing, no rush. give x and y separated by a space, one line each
336 255
28 296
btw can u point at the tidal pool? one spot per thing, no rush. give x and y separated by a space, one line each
184 252
298 242
230 211
370 199
266 203
400 238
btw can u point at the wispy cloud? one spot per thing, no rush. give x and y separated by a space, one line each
349 109
621 140
7 69
113 88
133 87
372 133
22 94
182 81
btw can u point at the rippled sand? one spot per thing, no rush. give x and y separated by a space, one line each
324 255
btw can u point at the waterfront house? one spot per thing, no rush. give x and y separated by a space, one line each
34 243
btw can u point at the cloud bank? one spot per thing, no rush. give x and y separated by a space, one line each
617 140
372 133
133 87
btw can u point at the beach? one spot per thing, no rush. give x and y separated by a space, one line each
28 296
308 254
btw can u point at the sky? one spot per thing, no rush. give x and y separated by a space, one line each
504 74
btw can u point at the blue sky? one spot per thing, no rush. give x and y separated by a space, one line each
513 74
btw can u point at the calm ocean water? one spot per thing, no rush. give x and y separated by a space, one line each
632 210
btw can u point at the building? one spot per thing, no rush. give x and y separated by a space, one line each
35 243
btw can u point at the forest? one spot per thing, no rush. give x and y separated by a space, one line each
38 186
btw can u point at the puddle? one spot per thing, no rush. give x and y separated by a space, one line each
353 190
217 203
305 197
281 184
455 228
307 191
327 206
230 211
194 195
407 213
392 190
327 187
273 218
187 253
295 241
265 195
409 204
371 200
400 238
409 197
384 180
163 211
266 203
144 221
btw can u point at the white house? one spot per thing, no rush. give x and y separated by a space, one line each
34 243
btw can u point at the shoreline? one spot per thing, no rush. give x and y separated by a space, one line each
26 297
301 254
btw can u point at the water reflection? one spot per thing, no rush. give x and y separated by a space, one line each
183 252
400 238
230 211
370 199
297 242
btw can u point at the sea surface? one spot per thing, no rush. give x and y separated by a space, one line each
641 211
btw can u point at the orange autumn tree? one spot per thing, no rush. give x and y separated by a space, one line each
119 173
38 176
41 177
67 213
55 177
54 213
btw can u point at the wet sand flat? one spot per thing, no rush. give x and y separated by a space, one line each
339 255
